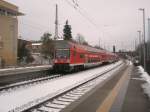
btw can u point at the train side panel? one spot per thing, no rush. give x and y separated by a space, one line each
71 56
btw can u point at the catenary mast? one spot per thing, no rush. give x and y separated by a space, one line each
56 24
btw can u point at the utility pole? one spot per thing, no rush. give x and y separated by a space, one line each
140 46
135 44
56 24
148 42
114 49
144 44
99 42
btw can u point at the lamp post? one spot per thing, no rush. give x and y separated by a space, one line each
148 41
140 46
144 46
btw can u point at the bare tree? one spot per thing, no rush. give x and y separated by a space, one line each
80 39
47 45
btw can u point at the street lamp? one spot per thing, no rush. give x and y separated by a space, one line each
140 46
144 49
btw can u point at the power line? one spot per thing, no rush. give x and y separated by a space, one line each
76 6
75 2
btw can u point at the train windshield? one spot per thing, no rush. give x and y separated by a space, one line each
62 53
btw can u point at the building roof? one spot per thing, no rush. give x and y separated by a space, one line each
9 9
37 44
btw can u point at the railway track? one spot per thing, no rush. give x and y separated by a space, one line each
63 98
12 87
28 83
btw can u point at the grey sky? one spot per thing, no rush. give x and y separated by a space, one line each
117 21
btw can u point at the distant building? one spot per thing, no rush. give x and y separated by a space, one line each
27 43
8 32
36 47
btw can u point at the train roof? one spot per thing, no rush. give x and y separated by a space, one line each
63 44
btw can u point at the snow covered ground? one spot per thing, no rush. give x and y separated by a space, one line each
21 97
38 59
145 76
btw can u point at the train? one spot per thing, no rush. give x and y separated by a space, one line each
72 56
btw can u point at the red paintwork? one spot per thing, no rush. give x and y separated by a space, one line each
95 55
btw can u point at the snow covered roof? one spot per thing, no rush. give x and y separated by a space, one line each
37 44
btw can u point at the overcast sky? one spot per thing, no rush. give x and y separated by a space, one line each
113 22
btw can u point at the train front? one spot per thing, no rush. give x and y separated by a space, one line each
62 56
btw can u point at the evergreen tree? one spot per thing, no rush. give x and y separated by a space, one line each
67 31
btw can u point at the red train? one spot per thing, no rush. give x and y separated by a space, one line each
73 56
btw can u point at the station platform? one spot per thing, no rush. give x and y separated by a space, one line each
13 75
12 71
122 93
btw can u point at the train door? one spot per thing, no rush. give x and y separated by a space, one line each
86 58
74 56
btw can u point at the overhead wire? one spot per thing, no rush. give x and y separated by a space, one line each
81 11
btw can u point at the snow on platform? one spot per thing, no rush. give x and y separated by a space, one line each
146 77
21 97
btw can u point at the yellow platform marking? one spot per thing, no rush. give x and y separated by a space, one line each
107 103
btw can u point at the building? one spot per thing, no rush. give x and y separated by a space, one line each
36 48
8 32
26 43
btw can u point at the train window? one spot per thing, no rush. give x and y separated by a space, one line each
88 60
81 55
62 53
